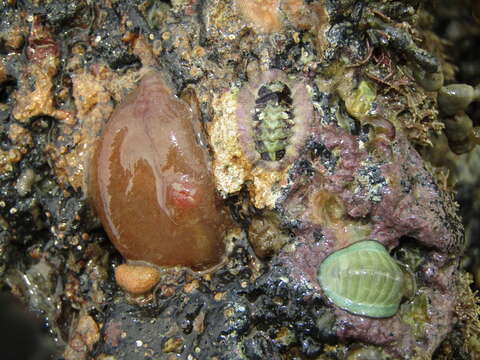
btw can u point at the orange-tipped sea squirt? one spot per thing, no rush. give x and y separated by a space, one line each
151 185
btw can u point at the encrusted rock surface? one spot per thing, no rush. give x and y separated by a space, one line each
375 163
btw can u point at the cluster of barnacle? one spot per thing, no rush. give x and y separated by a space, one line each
265 234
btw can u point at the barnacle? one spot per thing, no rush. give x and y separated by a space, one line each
266 236
363 279
273 115
328 210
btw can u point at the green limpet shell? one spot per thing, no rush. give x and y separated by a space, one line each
363 279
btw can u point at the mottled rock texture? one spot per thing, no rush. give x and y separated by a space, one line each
375 161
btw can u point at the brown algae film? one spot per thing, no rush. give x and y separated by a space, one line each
151 185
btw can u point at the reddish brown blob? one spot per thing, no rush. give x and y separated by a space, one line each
40 42
151 185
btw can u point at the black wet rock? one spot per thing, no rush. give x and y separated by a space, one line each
109 44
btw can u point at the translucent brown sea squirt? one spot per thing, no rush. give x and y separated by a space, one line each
151 185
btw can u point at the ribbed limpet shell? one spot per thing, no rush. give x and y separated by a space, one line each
363 279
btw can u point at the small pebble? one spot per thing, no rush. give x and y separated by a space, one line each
136 279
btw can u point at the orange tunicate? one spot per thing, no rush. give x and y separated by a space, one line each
264 15
151 185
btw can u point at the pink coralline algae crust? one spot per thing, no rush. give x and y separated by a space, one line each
383 200
414 207
397 335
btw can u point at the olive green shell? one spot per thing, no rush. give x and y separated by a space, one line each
363 279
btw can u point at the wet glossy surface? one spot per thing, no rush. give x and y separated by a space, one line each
151 186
